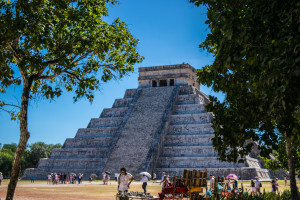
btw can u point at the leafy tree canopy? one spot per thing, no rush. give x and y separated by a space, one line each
279 159
62 44
256 45
257 65
51 46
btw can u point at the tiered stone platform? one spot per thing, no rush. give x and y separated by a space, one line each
160 126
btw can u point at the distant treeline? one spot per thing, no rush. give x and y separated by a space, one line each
30 159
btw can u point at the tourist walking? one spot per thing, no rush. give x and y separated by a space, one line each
154 176
144 180
32 178
49 178
258 185
273 183
103 178
163 175
253 187
124 180
228 185
235 184
1 177
212 183
285 181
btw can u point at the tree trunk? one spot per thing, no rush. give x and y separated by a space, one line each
24 135
291 164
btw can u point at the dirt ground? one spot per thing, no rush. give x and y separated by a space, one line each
96 190
40 190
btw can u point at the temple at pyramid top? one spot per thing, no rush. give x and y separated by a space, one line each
168 75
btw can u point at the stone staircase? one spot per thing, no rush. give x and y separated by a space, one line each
88 152
133 146
188 145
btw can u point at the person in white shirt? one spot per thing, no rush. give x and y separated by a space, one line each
228 185
257 185
144 180
49 178
163 177
123 180
212 183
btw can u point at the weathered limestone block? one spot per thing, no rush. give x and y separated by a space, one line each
77 163
105 122
130 93
252 162
202 118
114 112
188 140
189 99
96 132
195 162
79 153
243 173
87 142
122 102
191 129
190 151
188 109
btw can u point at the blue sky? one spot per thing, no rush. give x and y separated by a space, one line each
169 31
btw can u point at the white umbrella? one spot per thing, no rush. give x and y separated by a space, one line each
146 174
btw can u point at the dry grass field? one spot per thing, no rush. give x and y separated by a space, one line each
96 190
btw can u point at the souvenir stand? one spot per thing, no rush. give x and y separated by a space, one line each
192 185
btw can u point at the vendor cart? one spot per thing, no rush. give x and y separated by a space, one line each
192 185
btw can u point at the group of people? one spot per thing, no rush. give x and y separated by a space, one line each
275 184
255 185
62 178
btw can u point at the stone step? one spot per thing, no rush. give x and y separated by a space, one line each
202 118
96 132
190 128
189 151
122 102
113 112
87 142
77 163
130 93
243 173
188 109
189 99
188 140
105 122
199 134
195 162
79 153
185 90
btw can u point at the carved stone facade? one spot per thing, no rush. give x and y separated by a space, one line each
160 126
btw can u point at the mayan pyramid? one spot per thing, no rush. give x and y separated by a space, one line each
160 126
